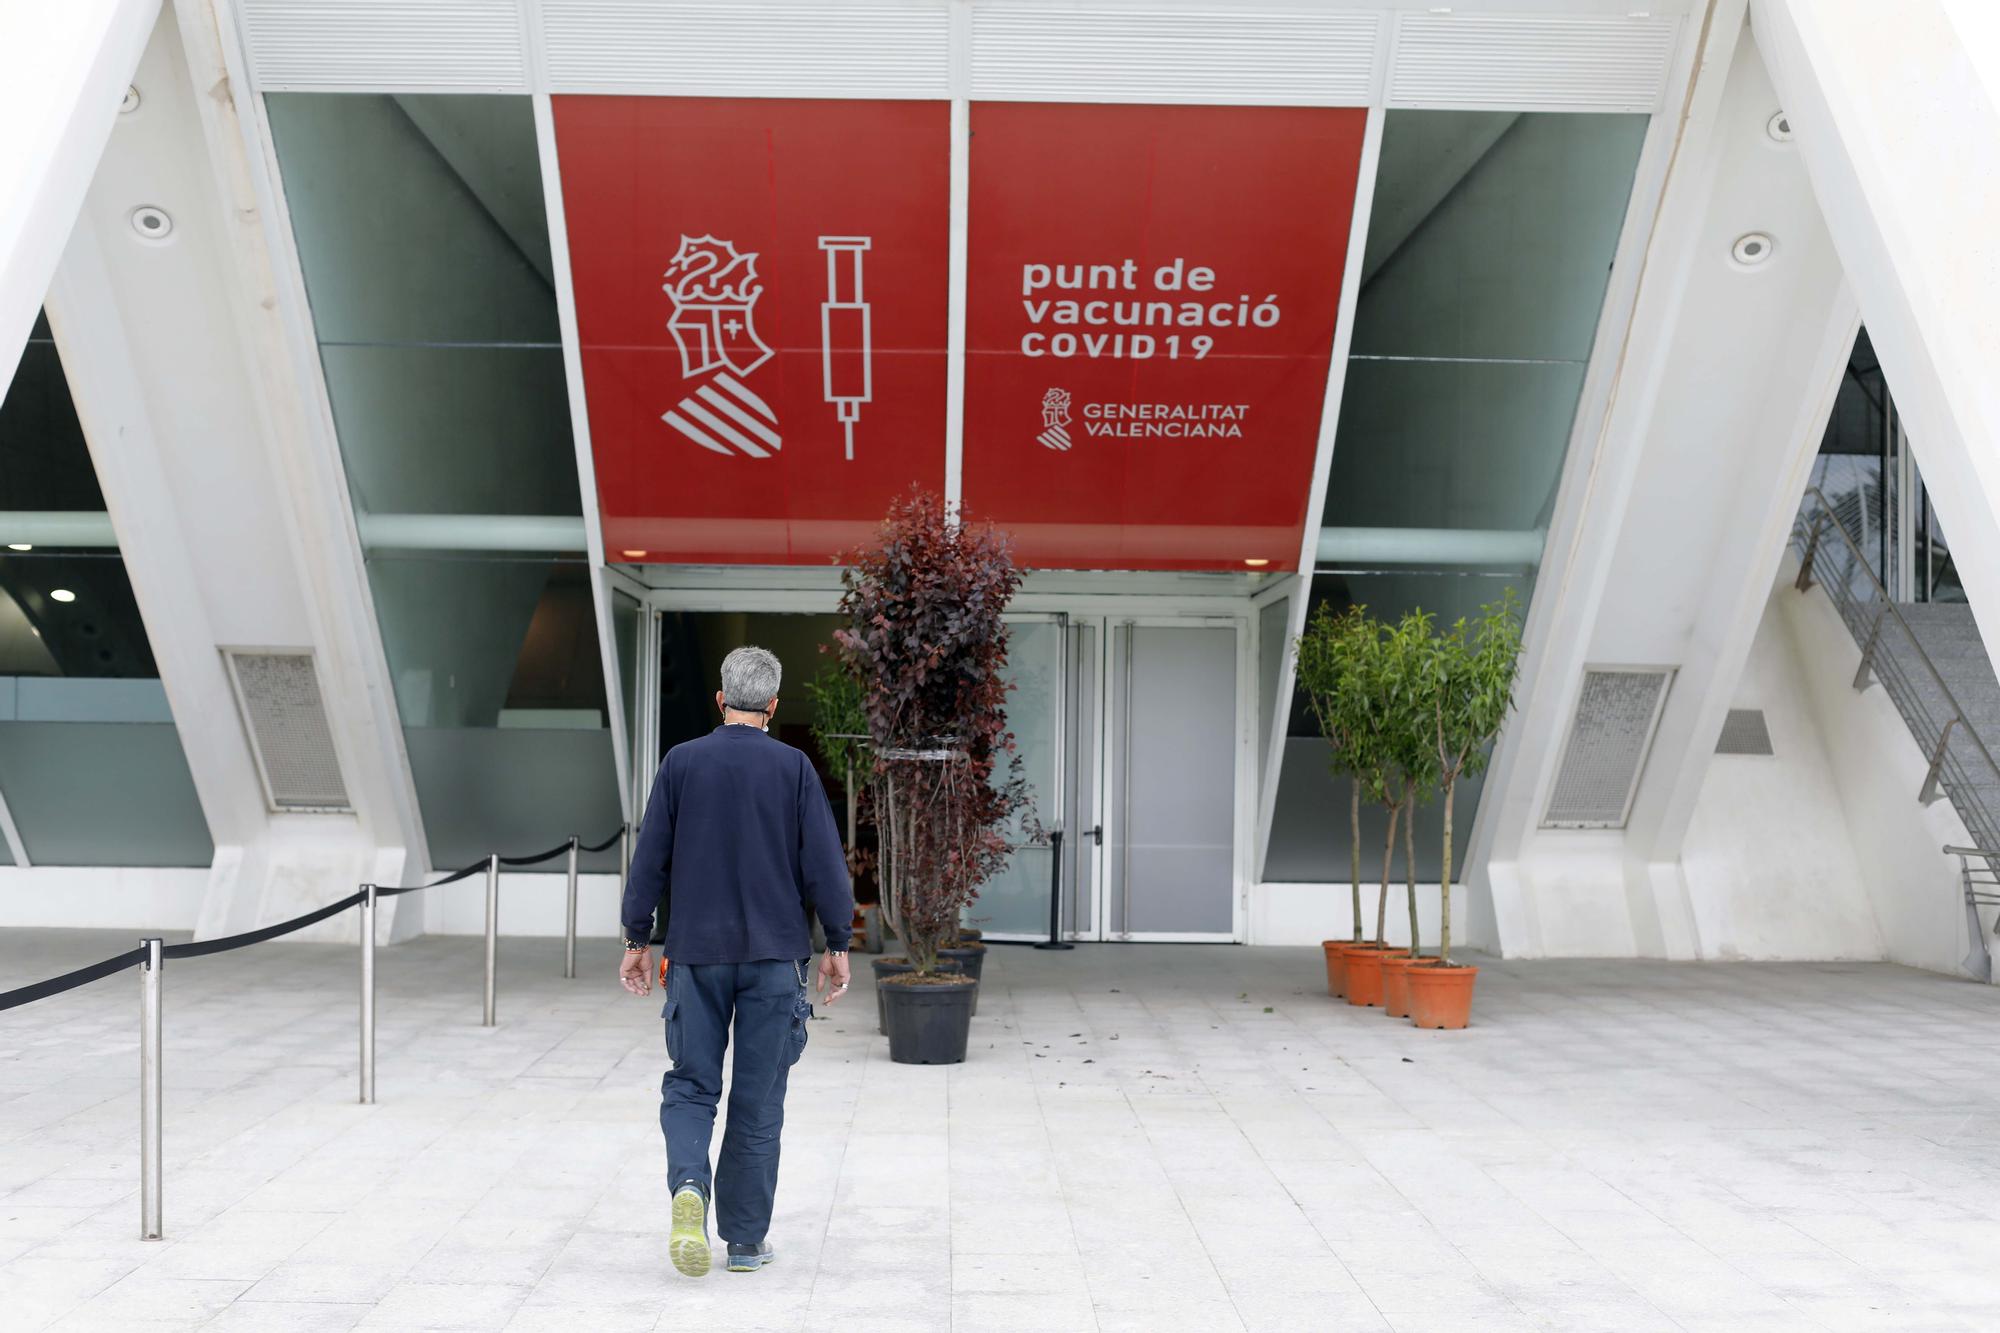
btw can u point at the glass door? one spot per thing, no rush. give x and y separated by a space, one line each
1173 752
1014 904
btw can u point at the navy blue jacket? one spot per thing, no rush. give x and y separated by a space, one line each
737 847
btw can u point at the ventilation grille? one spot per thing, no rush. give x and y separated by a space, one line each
1744 732
1540 62
279 695
778 48
1265 54
1615 718
449 45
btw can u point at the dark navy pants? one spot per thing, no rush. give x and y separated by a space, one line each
766 1001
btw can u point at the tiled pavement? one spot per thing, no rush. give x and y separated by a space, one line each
1144 1138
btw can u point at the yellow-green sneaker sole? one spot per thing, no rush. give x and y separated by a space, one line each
688 1242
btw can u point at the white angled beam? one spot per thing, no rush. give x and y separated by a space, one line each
1897 116
64 69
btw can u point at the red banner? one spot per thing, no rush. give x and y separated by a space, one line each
1152 293
761 308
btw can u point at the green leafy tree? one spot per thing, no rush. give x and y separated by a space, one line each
1399 706
840 730
1409 651
1334 657
1471 677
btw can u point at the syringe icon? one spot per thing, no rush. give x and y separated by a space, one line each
845 347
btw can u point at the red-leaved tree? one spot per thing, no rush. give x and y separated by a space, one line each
922 631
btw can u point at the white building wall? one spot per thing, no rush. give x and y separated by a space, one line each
1770 867
1877 769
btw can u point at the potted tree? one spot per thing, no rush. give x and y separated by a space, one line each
1471 673
840 731
1390 709
1333 657
1407 664
923 634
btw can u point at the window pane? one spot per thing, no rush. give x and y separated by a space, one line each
1490 244
502 701
91 764
454 430
438 336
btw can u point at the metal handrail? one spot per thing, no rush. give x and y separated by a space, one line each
1982 889
1947 774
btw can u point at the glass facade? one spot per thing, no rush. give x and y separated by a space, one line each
1489 250
1867 470
437 327
91 765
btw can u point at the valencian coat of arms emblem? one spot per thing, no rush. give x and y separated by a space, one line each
715 289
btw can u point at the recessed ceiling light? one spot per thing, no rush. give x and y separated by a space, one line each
1256 562
152 223
1752 247
62 595
20 546
633 555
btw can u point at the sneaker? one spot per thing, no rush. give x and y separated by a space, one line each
750 1258
688 1242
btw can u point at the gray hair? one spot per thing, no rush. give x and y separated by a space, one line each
750 679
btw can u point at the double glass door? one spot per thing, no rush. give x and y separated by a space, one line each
1130 735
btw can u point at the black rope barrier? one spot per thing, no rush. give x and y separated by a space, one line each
464 872
549 855
83 976
607 844
202 948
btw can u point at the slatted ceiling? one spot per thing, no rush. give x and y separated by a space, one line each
335 45
1282 52
779 48
1616 714
1238 54
1532 62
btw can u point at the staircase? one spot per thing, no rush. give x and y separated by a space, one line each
1930 660
1946 634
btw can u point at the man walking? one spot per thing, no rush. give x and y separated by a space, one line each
737 848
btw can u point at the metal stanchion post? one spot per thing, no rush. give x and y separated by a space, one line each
569 916
1055 939
368 995
624 855
149 1091
492 931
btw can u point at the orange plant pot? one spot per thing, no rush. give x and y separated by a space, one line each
1364 975
1441 997
1396 983
1336 965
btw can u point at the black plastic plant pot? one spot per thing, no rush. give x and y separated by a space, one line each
890 967
928 1021
971 960
971 933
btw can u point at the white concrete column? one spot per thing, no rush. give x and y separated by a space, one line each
1897 113
64 69
231 511
1664 551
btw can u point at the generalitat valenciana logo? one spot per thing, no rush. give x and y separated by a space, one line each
1055 421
